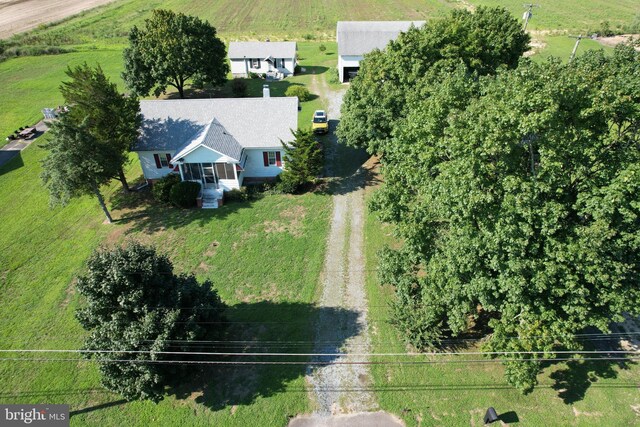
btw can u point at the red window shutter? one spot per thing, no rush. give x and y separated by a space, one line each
168 160
265 157
278 159
157 158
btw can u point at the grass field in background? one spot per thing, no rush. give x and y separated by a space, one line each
561 46
458 394
99 35
577 15
32 83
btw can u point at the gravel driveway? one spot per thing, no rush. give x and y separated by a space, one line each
342 392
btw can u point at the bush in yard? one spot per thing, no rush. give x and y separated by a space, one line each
300 91
239 88
237 195
288 185
334 76
184 194
161 189
322 48
137 307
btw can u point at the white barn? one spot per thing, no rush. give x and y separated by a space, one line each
356 38
219 143
276 58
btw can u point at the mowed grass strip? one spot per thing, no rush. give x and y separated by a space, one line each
458 394
264 257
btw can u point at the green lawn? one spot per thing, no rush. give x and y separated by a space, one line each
264 257
561 47
458 394
32 83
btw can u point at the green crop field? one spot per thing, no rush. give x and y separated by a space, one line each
574 15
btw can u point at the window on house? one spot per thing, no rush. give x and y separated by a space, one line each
271 158
255 63
162 160
225 171
191 172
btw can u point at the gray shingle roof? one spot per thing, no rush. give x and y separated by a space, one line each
219 139
251 122
262 50
360 37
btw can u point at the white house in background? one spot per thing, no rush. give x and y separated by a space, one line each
262 57
356 38
219 143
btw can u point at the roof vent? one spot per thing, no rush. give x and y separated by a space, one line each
266 93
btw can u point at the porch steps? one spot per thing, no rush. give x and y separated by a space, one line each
210 198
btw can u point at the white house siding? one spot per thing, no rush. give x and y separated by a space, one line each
345 61
148 163
239 67
228 184
289 66
254 166
205 155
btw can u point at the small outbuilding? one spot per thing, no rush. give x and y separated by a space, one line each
356 38
276 59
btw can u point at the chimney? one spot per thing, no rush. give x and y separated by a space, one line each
266 93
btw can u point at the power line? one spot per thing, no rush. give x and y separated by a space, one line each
272 354
317 363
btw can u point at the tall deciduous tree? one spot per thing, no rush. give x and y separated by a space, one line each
111 118
135 306
170 50
518 198
390 80
76 164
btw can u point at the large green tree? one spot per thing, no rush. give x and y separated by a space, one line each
111 118
136 306
389 81
518 198
76 164
170 50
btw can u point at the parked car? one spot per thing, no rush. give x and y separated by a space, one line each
320 123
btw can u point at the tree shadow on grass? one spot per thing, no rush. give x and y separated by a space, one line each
10 160
151 216
264 327
312 69
573 380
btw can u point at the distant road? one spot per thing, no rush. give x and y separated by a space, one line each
17 16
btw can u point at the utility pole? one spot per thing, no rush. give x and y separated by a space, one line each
528 14
575 48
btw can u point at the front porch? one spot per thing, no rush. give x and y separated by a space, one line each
215 179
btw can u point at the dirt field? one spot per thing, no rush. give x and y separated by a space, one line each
615 40
17 16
